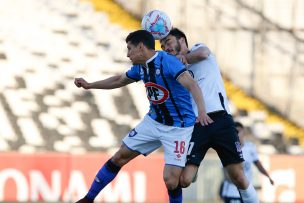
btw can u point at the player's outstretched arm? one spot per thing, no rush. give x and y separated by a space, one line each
260 167
197 55
113 82
188 82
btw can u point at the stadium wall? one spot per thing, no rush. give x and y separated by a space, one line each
55 177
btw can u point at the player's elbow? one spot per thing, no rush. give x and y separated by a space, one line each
203 53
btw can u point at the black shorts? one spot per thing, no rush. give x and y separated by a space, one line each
221 135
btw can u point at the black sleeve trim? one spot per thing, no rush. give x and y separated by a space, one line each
131 77
179 73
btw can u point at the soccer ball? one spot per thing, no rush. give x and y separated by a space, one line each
157 23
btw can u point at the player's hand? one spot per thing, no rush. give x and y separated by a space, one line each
182 58
80 82
204 119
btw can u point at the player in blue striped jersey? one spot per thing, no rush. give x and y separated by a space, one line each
169 121
170 102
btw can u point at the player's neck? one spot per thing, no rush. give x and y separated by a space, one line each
184 51
149 55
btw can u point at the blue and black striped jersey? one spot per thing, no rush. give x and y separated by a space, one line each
170 102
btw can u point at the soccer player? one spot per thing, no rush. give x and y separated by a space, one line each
229 192
221 135
170 119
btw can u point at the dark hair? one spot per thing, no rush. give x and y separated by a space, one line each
178 34
141 36
238 124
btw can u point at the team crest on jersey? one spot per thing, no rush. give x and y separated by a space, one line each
157 72
132 133
156 93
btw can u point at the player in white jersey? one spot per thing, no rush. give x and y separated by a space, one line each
221 135
229 192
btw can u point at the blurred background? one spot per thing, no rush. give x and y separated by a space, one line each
54 137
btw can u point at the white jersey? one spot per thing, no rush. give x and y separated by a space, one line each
250 156
207 73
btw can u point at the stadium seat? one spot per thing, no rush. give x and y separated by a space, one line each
104 138
30 132
6 131
267 149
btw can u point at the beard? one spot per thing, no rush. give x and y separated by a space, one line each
177 48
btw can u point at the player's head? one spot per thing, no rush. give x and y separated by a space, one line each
241 131
139 43
174 42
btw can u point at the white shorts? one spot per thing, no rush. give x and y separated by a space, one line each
149 135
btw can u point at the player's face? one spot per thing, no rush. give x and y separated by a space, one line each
171 45
134 53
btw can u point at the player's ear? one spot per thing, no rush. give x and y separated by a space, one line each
141 46
182 40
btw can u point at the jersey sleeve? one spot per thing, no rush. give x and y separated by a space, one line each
174 66
198 45
134 73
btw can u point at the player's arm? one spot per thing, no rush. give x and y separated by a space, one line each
261 168
113 82
197 55
188 82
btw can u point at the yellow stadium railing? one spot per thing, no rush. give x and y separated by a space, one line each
243 101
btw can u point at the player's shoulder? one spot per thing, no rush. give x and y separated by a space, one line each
198 45
136 67
167 57
164 54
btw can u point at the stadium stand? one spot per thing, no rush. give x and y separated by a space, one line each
40 108
45 44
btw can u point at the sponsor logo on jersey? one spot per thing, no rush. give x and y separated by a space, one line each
239 149
132 133
238 146
156 93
